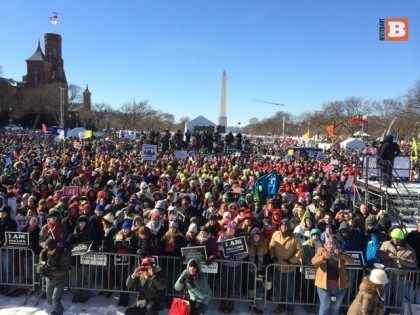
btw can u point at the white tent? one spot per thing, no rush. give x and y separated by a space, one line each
199 121
353 143
361 134
74 133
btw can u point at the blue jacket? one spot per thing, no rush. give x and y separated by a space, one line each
372 250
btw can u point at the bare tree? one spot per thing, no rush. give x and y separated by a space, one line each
135 112
74 94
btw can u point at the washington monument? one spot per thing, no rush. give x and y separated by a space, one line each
222 117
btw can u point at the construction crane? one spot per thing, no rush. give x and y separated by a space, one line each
267 102
276 104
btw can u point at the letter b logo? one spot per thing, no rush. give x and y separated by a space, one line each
396 29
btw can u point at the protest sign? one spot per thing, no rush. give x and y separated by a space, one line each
310 273
80 248
358 260
149 152
23 221
198 253
211 268
234 246
192 196
181 154
70 191
321 156
17 239
121 260
93 259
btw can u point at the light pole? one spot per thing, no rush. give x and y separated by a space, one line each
10 115
62 119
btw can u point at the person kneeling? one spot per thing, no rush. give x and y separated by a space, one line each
151 286
199 291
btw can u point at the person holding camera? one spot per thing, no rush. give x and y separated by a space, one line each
331 278
199 291
149 283
53 265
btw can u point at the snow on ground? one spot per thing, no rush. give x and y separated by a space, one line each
99 305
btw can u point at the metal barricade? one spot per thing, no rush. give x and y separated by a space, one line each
295 284
234 280
403 286
108 272
17 270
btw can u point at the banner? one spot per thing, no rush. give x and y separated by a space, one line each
70 191
198 253
414 150
234 246
17 239
211 268
268 184
80 248
149 152
93 259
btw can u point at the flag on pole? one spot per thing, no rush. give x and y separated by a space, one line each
54 18
414 150
88 134
307 135
330 132
44 128
61 134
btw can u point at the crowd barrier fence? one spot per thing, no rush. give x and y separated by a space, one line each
17 270
230 280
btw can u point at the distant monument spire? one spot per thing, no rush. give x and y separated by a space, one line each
222 117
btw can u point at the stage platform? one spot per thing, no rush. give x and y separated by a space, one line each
398 188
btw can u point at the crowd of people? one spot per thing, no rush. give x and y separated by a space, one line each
126 205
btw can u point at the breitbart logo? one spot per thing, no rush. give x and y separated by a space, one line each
393 29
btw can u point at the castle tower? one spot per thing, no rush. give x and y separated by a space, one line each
222 117
86 99
53 55
38 69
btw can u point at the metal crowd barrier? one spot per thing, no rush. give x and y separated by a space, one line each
295 284
108 272
17 271
403 286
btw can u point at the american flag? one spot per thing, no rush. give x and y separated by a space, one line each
54 19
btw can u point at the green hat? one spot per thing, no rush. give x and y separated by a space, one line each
315 231
398 234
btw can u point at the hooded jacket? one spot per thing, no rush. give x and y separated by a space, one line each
286 249
367 301
198 288
59 263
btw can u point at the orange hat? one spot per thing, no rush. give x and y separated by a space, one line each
101 194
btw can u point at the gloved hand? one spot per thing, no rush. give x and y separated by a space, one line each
190 281
183 278
141 303
208 262
44 270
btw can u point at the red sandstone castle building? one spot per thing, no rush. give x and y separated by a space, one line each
46 68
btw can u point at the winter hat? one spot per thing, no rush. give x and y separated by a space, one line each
50 244
109 218
155 216
5 208
256 231
52 213
173 224
378 276
298 230
193 263
231 224
193 228
126 225
147 261
82 218
398 234
120 213
160 205
315 231
285 222
227 214
213 217
100 208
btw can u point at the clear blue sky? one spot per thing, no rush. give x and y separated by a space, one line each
172 53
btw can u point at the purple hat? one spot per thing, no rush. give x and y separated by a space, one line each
231 224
